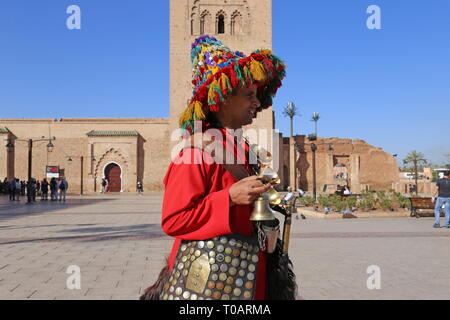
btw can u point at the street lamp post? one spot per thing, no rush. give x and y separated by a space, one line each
81 173
30 162
81 182
313 146
313 149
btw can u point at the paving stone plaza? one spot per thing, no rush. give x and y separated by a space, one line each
119 247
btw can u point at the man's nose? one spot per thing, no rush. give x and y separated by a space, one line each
256 102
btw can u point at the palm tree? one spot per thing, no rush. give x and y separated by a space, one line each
416 158
315 118
291 111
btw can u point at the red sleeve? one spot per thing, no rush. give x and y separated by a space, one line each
195 205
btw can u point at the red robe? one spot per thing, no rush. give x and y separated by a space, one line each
196 205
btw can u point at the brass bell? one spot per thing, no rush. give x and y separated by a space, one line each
273 196
262 210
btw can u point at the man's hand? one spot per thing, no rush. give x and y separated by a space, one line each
433 199
247 190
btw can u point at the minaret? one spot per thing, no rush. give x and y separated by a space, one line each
244 25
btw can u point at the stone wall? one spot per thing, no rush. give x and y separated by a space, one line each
144 157
350 162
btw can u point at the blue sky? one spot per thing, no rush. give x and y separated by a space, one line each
389 87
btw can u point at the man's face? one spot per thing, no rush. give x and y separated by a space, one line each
240 109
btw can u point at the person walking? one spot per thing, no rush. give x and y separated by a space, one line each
12 189
44 190
443 198
63 186
139 188
33 189
38 187
19 187
53 189
23 187
5 186
104 185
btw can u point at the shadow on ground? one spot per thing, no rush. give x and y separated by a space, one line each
132 232
13 210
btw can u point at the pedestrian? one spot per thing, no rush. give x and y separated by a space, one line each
53 189
5 186
207 205
44 190
63 186
347 190
19 187
443 199
38 187
33 189
23 187
12 189
104 185
139 188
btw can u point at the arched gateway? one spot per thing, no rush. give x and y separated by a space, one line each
113 173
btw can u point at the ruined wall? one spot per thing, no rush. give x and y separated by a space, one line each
350 162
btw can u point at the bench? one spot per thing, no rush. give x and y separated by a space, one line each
421 204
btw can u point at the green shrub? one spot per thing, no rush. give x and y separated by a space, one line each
381 195
324 201
339 205
365 204
399 201
351 201
307 201
385 204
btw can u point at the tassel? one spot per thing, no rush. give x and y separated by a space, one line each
198 111
248 77
218 95
257 71
186 115
211 93
193 112
238 72
234 80
225 85
269 66
267 52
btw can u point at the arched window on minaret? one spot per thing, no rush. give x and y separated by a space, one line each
195 24
236 23
221 24
221 17
206 23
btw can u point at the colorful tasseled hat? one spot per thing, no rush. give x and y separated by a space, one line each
217 71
